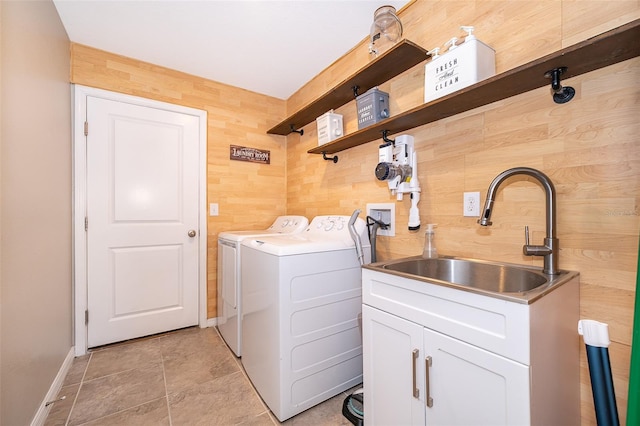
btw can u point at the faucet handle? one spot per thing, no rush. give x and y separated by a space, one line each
526 235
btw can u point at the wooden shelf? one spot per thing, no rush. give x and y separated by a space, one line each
597 52
402 56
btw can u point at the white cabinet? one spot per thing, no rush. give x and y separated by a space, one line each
390 369
492 362
464 385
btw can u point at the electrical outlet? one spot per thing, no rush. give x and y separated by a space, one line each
471 203
213 209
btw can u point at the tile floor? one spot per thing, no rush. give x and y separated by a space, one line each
186 377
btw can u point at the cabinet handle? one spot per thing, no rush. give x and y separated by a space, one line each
414 359
427 399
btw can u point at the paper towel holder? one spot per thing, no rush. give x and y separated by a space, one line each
561 95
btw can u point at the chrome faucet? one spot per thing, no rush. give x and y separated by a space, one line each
551 245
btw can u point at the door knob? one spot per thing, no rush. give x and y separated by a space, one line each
191 233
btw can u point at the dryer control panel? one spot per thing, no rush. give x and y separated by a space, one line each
333 225
289 224
328 223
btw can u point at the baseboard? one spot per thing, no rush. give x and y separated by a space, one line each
212 322
43 410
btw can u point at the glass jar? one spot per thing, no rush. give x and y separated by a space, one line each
386 30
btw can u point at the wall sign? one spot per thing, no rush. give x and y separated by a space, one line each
252 155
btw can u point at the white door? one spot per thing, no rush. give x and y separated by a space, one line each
142 166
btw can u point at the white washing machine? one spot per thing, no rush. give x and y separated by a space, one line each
301 297
229 302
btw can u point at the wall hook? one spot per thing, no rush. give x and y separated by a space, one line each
561 95
386 139
293 130
355 91
334 158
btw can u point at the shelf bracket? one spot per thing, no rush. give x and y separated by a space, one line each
561 95
293 130
355 91
386 139
334 158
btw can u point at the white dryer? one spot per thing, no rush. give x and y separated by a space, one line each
229 303
301 297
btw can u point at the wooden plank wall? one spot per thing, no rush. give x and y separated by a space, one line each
589 147
249 195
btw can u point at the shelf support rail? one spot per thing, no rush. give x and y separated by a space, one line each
386 139
293 130
334 158
561 95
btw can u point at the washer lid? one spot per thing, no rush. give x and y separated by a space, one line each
282 225
325 233
237 236
286 245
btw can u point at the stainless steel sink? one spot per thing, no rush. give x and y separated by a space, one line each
503 280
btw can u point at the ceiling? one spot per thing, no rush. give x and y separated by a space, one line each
272 47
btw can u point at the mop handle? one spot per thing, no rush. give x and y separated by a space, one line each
596 338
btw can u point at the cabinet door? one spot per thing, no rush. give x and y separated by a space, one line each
391 370
471 386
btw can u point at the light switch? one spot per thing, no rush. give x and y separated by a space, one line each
213 209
